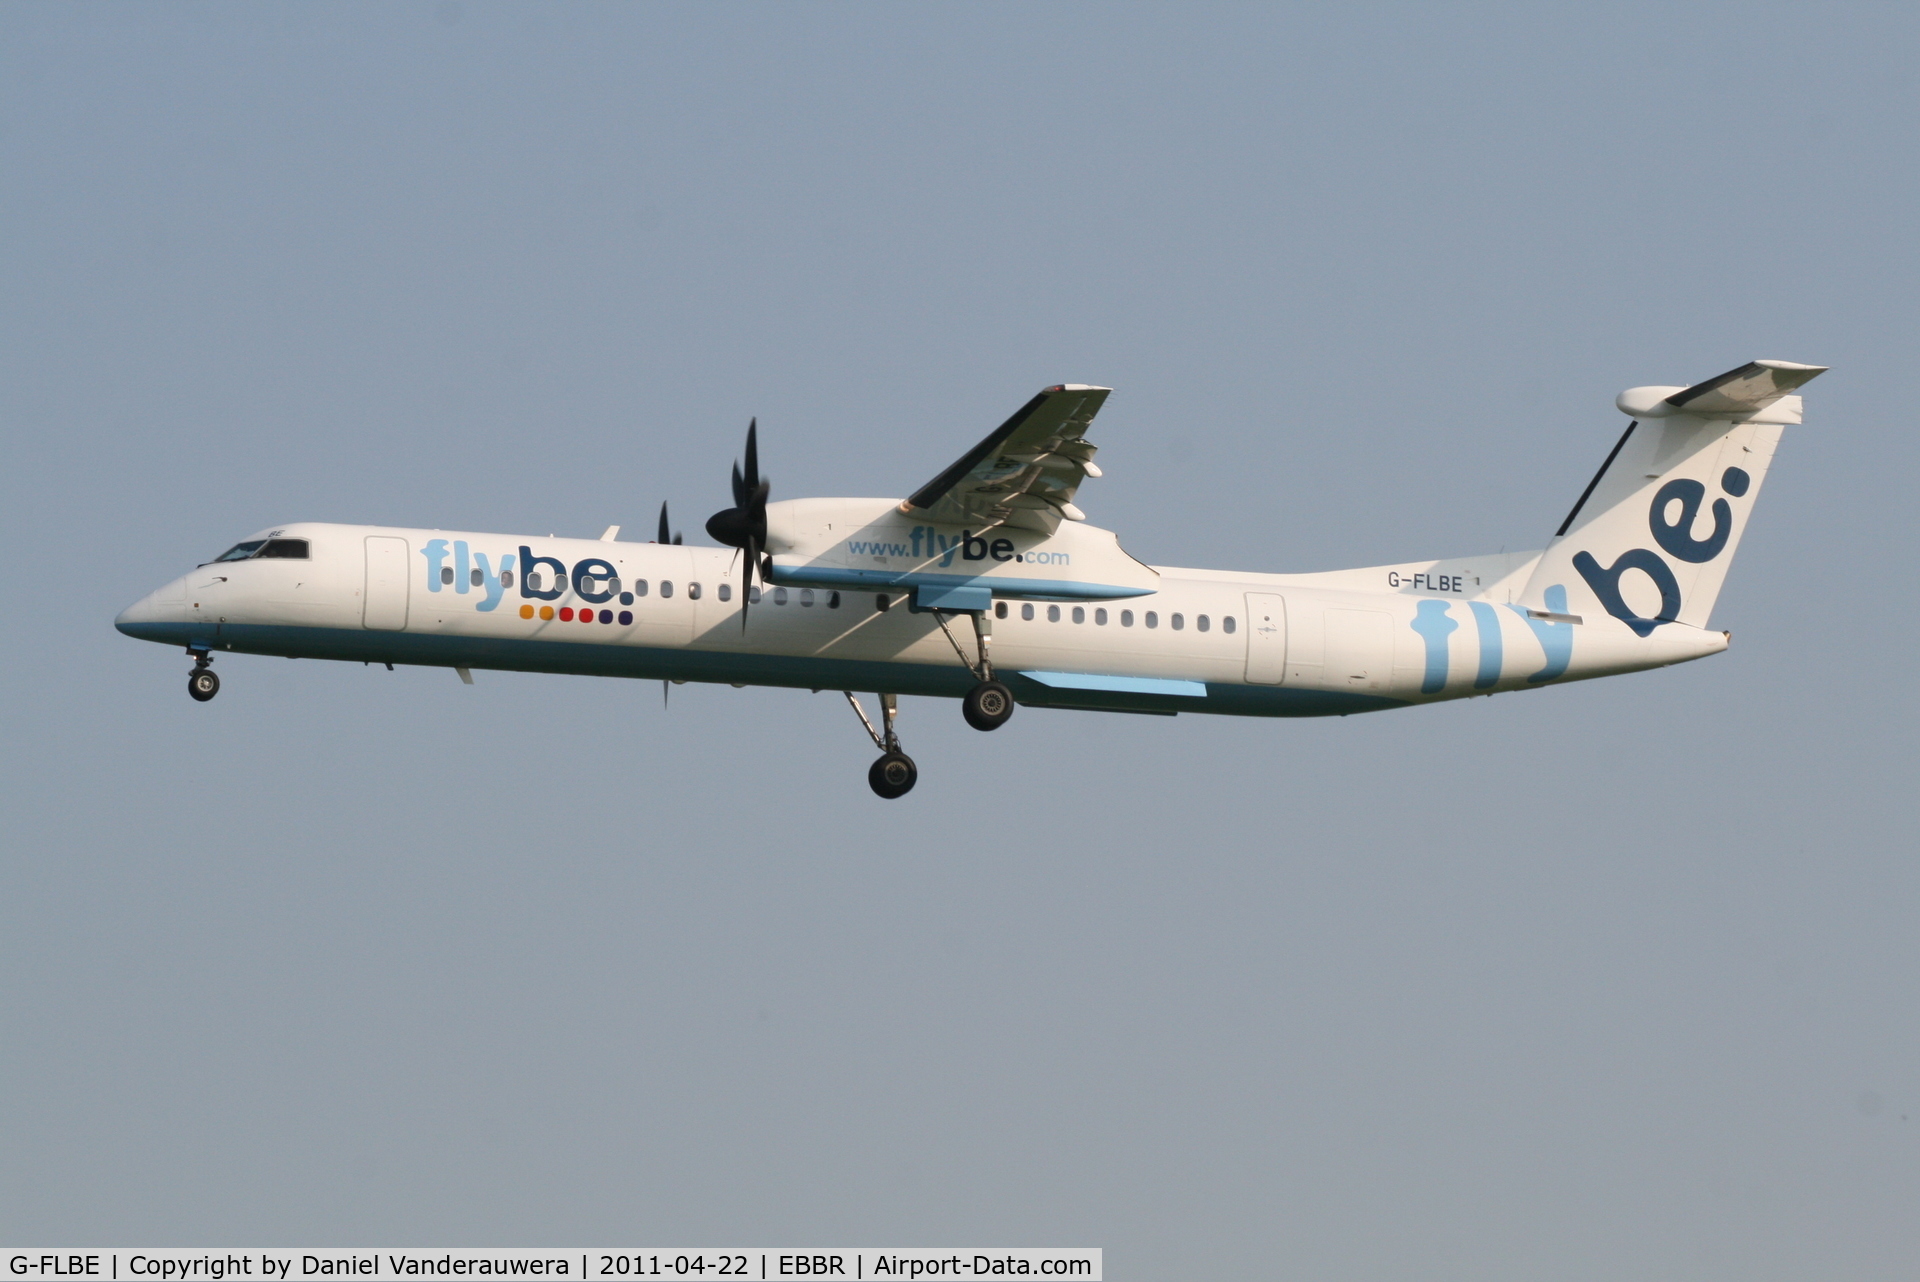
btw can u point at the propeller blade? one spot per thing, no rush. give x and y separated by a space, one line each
744 524
663 525
746 585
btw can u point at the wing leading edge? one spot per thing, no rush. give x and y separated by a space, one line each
1026 472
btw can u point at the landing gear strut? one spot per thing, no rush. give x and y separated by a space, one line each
894 774
988 705
202 684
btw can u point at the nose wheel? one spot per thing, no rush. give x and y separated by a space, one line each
202 684
894 774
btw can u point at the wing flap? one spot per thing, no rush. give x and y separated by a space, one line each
1027 470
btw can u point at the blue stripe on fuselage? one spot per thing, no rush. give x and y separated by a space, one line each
580 658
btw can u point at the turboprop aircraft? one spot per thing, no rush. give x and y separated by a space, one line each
987 585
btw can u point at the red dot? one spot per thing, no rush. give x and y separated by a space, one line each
566 614
586 616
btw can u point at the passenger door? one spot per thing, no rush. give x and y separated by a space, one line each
385 609
1266 638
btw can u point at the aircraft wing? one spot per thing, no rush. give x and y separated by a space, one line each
1025 473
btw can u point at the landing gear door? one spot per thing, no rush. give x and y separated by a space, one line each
1266 638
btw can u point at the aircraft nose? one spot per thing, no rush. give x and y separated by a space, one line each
155 616
133 616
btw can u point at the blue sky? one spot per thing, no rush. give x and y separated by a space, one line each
1615 979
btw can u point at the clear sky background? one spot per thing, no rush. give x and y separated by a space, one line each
1614 980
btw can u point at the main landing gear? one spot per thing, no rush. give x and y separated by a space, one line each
894 774
202 684
988 705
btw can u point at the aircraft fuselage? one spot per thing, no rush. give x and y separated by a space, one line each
1228 642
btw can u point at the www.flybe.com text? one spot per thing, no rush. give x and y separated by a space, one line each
925 543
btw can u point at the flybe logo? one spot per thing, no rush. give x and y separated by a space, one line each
467 571
925 543
1675 538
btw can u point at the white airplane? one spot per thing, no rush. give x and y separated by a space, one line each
864 594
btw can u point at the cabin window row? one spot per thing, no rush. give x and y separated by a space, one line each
536 582
1151 618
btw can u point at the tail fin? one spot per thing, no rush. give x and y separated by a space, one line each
1650 540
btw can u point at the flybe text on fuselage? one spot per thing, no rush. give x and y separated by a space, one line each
454 564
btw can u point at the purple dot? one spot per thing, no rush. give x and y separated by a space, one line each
626 617
606 616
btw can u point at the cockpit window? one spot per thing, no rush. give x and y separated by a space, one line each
288 550
239 551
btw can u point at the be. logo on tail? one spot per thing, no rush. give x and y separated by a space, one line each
1675 538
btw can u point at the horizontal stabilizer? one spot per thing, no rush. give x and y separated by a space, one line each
1746 390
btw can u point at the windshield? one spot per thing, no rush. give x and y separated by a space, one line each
239 551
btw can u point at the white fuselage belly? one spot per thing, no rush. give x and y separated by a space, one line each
377 594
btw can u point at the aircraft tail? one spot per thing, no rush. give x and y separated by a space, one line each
1650 540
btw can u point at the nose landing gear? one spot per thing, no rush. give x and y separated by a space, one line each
894 774
202 684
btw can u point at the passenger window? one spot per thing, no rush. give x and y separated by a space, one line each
1178 621
1100 617
779 596
753 594
666 587
1227 624
999 609
1126 618
612 584
1079 614
535 583
833 600
1153 620
446 574
881 602
239 552
1053 614
1026 610
693 591
639 586
806 596
506 578
1203 623
726 591
476 578
284 550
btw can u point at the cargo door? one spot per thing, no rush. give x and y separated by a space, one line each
386 592
1359 650
1266 638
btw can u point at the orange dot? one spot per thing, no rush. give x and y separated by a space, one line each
526 612
546 612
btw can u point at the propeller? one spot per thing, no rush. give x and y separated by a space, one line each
744 525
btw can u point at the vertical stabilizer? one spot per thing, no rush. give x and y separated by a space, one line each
1650 540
